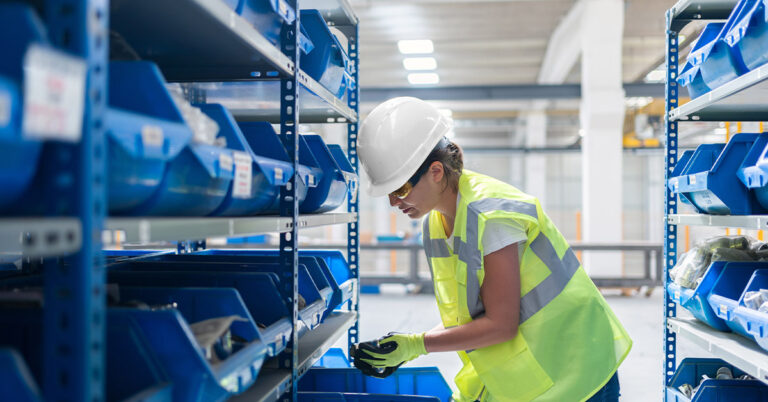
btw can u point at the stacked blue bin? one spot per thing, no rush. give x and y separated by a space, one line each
328 62
755 322
708 182
17 382
749 33
753 172
690 371
697 300
728 290
145 133
413 381
331 190
21 29
267 174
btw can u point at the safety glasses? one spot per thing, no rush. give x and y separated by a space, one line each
406 188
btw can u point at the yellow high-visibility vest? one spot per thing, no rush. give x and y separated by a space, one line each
569 343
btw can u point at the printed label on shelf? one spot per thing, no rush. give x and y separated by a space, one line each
152 136
54 95
5 109
225 161
243 175
677 295
723 309
278 174
693 179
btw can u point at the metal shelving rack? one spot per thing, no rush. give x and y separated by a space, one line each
205 42
742 99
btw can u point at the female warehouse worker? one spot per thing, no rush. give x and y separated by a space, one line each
515 303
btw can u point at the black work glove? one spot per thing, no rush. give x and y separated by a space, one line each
357 353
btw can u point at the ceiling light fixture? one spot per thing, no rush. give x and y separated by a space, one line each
420 63
423 78
419 46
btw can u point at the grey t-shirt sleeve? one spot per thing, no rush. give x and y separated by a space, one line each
500 233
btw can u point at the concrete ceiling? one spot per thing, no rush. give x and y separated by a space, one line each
490 42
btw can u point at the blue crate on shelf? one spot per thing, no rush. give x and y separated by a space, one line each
267 16
333 358
756 322
690 76
350 176
417 381
727 291
265 142
708 180
361 397
753 172
145 132
331 190
17 383
313 285
259 291
749 33
674 178
20 27
691 370
331 261
267 174
328 62
719 63
696 300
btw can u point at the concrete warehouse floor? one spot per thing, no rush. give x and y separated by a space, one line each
640 375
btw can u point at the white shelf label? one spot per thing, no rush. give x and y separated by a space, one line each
278 174
693 179
152 136
243 175
5 109
54 95
225 162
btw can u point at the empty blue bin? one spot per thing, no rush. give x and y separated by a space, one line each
350 176
727 292
756 322
333 358
720 63
753 172
258 290
423 381
268 16
690 78
267 174
17 383
327 63
145 131
696 300
331 190
691 370
361 397
708 180
749 34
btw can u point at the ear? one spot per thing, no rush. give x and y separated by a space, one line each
436 172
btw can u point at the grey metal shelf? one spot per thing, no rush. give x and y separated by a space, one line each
272 382
335 12
153 230
743 99
685 11
735 349
41 237
758 222
260 101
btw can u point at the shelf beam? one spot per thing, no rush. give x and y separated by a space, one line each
40 237
756 222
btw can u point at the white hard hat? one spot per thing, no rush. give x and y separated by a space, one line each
395 139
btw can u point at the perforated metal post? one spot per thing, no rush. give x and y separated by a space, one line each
74 315
353 235
670 201
289 204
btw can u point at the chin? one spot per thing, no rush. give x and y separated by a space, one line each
415 214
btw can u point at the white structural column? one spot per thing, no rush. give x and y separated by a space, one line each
602 118
536 163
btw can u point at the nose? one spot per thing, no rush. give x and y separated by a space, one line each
394 201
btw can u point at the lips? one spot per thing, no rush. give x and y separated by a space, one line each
405 211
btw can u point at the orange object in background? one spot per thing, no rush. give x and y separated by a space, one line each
687 238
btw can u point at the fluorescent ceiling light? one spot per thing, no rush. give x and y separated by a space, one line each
415 46
423 78
420 63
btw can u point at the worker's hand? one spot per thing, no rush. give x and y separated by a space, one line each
396 349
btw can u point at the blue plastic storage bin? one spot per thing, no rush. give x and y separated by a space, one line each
331 190
674 179
145 131
328 62
354 397
258 291
424 381
719 62
264 141
749 33
17 383
690 78
267 174
708 180
690 371
756 322
268 16
316 298
350 175
754 170
20 27
333 358
727 292
696 300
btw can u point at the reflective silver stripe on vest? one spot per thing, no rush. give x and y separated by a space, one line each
427 240
561 273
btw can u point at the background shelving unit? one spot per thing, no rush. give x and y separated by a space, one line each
218 56
742 99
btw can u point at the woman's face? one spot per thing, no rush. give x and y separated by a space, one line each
424 196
